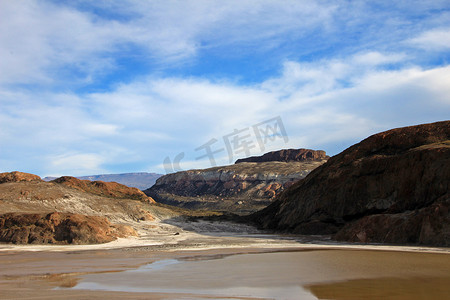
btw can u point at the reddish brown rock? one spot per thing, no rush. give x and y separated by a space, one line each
288 155
59 228
391 174
107 189
18 176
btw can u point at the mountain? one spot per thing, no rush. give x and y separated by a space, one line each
288 155
240 188
141 180
68 210
393 187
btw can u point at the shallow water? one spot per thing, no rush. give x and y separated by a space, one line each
318 274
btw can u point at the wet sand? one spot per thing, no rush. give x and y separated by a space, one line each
224 265
288 275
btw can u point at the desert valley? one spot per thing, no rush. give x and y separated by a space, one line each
238 149
371 222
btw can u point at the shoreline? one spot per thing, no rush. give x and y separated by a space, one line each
138 244
163 236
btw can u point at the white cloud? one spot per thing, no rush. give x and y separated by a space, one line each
302 81
373 58
148 120
433 40
327 97
40 38
98 129
47 42
76 164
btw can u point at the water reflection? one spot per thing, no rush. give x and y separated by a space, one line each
330 274
384 288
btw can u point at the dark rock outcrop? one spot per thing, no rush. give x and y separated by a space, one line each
288 155
391 187
429 226
239 188
17 177
107 189
59 228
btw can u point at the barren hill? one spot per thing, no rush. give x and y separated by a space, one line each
108 189
18 176
141 180
69 210
393 187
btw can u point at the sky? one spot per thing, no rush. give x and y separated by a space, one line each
95 87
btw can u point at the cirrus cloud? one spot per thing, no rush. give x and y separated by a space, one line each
111 86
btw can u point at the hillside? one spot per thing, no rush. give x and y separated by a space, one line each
393 187
68 210
240 188
141 180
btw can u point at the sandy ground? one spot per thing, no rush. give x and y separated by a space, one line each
77 271
178 234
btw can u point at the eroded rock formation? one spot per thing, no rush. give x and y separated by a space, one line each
240 188
68 210
59 228
391 187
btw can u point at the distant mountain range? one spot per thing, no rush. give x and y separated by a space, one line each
141 180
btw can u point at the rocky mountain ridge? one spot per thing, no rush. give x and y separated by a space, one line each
288 155
239 188
393 187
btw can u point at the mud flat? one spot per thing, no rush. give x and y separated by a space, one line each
204 260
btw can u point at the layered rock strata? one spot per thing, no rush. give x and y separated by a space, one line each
240 188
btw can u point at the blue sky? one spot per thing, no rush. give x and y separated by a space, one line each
90 87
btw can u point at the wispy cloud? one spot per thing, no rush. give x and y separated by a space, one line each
433 40
117 86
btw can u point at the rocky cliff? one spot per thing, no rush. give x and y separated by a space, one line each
288 155
240 188
393 187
